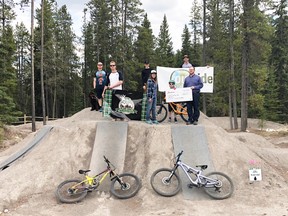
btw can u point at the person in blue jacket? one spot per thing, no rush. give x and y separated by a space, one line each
195 82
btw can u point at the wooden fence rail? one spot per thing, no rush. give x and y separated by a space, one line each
28 119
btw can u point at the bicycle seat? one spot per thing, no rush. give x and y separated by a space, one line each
203 167
84 171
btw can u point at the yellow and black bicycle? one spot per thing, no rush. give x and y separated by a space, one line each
123 186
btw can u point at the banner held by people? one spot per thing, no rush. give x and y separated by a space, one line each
165 74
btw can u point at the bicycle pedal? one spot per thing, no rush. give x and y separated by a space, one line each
190 185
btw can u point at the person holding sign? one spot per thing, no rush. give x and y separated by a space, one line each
171 105
195 83
151 98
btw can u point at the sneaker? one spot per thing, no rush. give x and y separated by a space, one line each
155 122
175 120
101 110
195 123
169 120
148 121
189 123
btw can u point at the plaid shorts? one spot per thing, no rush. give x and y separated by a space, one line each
107 103
144 106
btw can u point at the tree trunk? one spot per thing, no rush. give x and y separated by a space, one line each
42 62
204 52
232 90
32 68
245 57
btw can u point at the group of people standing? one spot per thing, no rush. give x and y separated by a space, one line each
114 80
103 81
149 82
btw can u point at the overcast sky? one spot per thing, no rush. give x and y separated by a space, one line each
177 13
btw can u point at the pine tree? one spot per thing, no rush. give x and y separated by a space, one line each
164 47
22 39
279 60
196 22
144 45
186 42
8 80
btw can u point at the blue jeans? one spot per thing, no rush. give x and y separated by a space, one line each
151 106
193 107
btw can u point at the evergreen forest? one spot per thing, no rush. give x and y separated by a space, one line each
43 74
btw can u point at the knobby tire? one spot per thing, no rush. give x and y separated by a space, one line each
184 117
223 191
161 185
65 194
130 188
161 112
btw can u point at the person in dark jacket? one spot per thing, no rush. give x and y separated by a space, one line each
145 74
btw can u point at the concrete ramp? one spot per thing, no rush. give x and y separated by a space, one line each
192 140
110 140
38 137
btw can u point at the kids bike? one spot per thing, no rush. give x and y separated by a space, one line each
178 109
123 186
166 182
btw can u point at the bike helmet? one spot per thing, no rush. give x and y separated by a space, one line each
172 81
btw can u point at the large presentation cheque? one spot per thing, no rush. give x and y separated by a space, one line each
179 95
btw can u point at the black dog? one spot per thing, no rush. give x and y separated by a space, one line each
93 101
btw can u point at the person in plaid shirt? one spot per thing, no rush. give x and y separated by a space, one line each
151 98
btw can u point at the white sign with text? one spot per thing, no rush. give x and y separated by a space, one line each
165 74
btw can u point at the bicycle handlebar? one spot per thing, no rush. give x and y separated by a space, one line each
178 156
109 164
106 160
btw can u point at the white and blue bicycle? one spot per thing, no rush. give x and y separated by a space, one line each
166 182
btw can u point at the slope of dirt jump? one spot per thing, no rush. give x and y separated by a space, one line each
28 186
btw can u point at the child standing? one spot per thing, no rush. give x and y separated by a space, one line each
170 105
151 98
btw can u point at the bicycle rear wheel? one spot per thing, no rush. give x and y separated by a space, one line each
223 189
67 194
164 184
161 112
125 186
185 116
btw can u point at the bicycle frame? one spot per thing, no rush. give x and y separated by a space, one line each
91 180
178 108
200 181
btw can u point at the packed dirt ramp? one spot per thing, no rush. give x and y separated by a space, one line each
28 187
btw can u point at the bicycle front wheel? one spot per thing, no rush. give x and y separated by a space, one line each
125 186
165 183
68 192
161 112
222 189
184 113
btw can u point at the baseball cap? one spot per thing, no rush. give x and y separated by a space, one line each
185 56
153 71
172 81
146 62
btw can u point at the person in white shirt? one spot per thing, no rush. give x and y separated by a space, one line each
114 78
186 63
